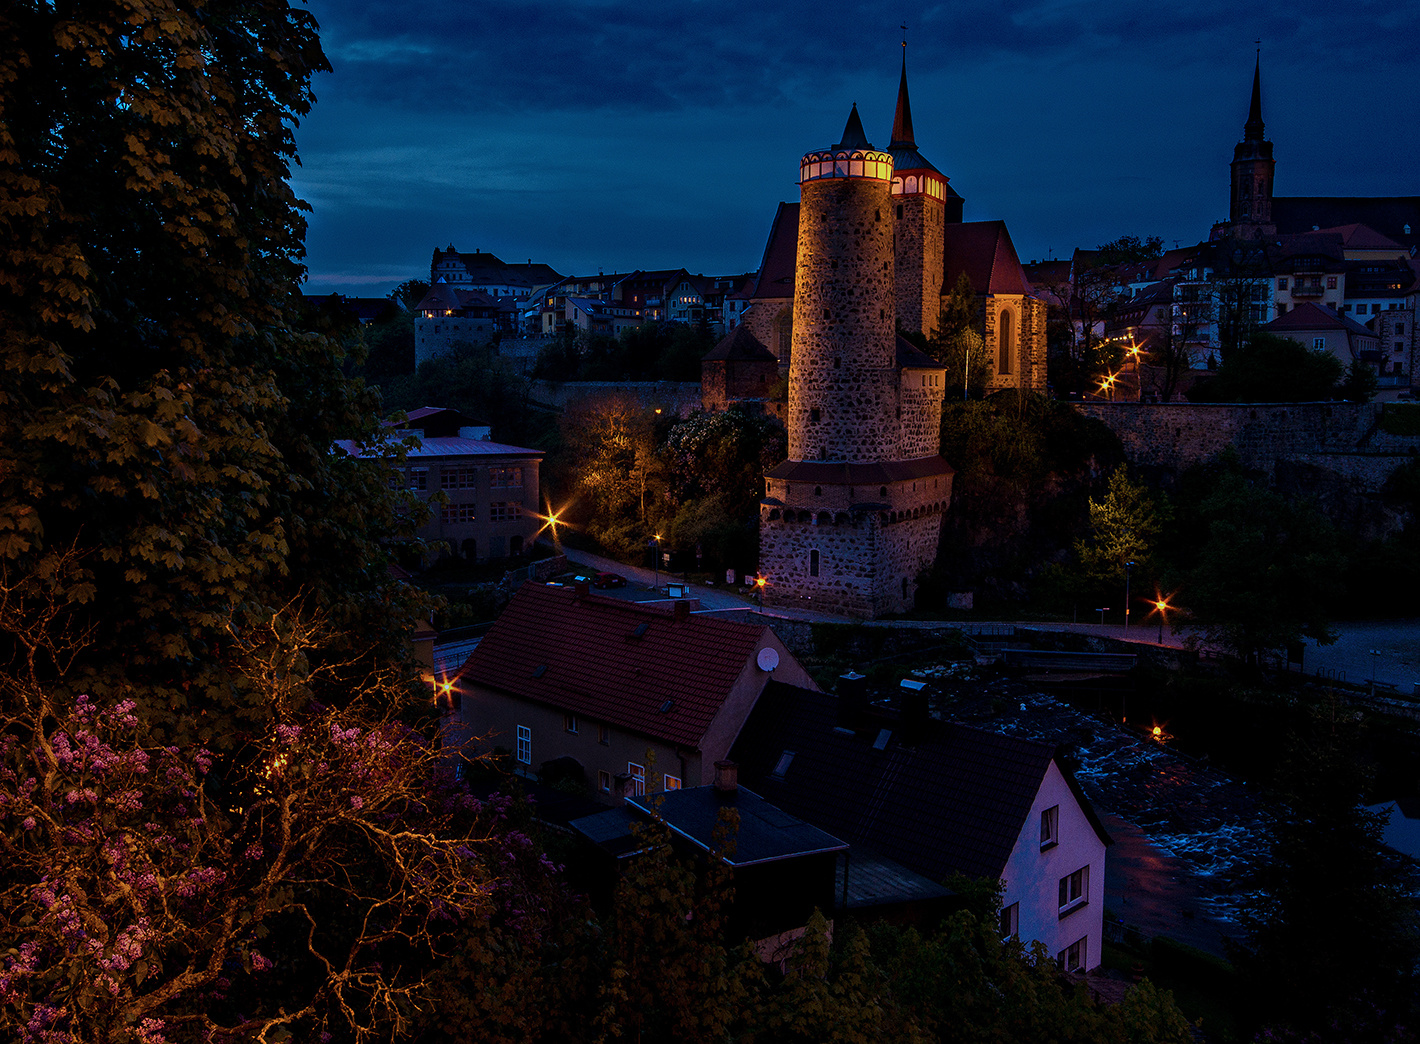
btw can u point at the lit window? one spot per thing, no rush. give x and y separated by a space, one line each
638 778
524 745
1010 920
454 514
1074 890
672 782
1050 826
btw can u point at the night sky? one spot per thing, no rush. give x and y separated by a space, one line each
602 135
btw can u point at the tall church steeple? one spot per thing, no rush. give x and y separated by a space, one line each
1250 198
902 118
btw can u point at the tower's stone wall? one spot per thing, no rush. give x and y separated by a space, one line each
920 234
843 381
921 428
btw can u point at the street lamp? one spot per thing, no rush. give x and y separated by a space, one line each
1127 567
1161 606
759 589
656 559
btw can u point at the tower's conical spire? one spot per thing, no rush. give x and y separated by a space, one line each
1252 129
854 137
902 119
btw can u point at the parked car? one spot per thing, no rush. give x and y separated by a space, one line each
568 579
609 580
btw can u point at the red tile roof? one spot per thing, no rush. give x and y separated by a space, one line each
983 250
1308 316
582 654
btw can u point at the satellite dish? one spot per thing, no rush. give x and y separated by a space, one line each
767 659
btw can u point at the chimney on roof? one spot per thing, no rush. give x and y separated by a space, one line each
916 711
682 610
583 588
620 787
852 700
727 776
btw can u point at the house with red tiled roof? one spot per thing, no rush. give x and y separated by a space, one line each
1323 329
652 695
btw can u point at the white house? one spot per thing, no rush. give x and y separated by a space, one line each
938 798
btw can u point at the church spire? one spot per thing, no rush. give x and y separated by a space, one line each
902 119
1252 130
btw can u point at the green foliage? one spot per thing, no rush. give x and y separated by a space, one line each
1125 526
1269 368
1130 250
1400 418
472 379
167 421
649 352
958 343
1256 570
1360 383
1332 939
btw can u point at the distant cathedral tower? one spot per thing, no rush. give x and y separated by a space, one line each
854 514
1250 208
923 204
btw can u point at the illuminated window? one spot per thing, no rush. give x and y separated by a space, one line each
672 782
524 745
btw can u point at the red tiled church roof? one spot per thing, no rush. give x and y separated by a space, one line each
582 654
984 251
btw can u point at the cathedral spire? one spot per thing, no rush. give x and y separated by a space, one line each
1252 130
854 137
902 119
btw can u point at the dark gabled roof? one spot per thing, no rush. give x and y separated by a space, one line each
1309 316
614 661
983 250
740 346
766 834
1388 215
910 357
854 137
781 252
1363 237
955 801
877 473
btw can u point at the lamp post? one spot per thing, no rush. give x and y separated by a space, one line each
656 558
759 589
1127 567
1161 606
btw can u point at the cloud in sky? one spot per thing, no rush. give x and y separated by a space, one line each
596 134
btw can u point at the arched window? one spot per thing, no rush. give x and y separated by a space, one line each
1003 329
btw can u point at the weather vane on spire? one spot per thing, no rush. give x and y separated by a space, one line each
903 27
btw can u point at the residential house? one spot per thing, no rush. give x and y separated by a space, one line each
940 799
448 316
485 272
738 370
1323 329
483 496
668 295
781 868
653 695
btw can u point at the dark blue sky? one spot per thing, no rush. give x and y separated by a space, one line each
605 135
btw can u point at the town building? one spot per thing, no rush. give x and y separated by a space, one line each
940 799
450 316
1323 329
642 698
483 496
739 370
854 514
932 248
485 272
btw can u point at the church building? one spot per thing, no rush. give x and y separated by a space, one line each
932 249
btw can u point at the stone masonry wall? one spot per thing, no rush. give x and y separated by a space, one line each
842 375
921 425
919 242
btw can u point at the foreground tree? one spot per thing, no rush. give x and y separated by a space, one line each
1268 368
162 412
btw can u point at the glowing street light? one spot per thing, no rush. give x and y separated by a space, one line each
759 589
1161 606
1127 567
656 561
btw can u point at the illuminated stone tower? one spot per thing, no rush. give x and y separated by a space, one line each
923 203
1250 209
854 514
